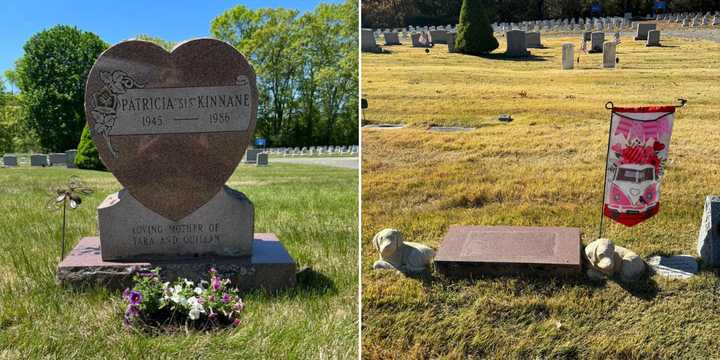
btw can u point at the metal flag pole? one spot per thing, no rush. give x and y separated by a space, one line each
610 106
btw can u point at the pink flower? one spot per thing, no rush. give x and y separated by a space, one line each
226 298
239 305
215 282
236 322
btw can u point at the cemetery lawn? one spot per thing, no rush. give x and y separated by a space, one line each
543 169
312 209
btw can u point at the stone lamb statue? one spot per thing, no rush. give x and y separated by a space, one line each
397 254
605 260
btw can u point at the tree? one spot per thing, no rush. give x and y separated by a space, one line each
51 76
165 44
474 33
306 67
87 155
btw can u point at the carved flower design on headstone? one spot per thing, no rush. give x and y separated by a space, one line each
105 101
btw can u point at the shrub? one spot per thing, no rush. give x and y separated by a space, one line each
474 33
87 155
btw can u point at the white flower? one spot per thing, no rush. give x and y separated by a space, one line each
189 283
198 290
179 299
196 308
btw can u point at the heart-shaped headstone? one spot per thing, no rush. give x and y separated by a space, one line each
172 127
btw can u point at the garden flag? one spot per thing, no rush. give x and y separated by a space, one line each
637 152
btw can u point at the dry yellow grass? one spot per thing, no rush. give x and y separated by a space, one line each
543 169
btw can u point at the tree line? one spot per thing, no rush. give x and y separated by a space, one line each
306 65
401 13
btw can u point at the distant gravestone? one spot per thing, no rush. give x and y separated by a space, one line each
70 158
642 30
468 251
262 159
368 41
38 160
596 42
251 155
175 210
609 55
532 40
674 267
708 244
10 160
57 159
653 38
392 38
451 36
568 56
438 36
516 44
419 39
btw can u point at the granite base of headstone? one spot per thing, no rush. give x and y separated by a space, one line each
262 159
269 267
468 251
38 160
70 158
10 160
674 267
708 243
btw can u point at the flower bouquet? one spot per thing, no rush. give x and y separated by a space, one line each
205 305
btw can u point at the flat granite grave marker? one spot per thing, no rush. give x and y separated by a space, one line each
468 251
38 160
10 160
181 122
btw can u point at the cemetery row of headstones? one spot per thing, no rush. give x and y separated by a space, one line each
42 160
313 150
691 19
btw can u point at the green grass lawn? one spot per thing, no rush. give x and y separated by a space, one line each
543 169
313 210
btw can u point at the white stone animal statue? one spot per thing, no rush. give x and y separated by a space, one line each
395 253
606 260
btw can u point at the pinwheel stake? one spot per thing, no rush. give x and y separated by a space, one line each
68 195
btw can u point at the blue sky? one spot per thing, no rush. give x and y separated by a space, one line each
114 21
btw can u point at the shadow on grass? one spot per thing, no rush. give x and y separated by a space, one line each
644 288
310 281
504 57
